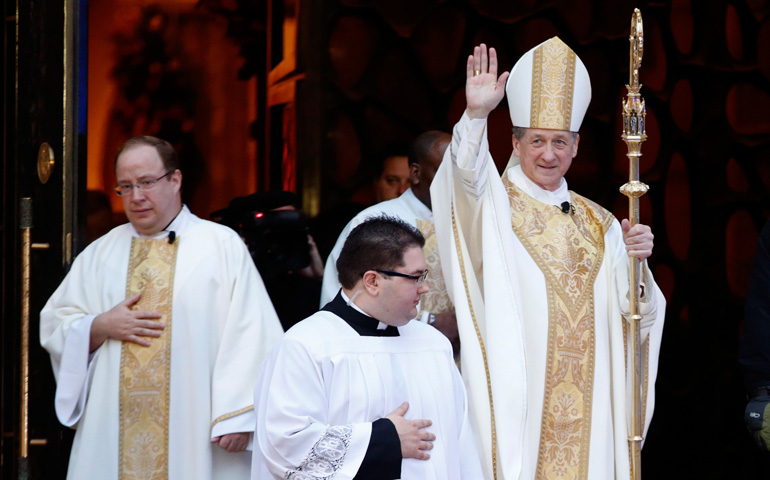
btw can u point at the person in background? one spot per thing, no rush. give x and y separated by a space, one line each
754 354
390 179
414 207
393 179
284 251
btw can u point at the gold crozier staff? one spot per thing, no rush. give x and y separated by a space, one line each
634 133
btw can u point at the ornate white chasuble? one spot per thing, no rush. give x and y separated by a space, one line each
145 371
568 249
436 300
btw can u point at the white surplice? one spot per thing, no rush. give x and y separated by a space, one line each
222 326
324 384
407 207
491 278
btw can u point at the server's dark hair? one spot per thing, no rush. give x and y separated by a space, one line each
379 243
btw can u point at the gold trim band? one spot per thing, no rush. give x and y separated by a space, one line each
553 84
231 415
481 343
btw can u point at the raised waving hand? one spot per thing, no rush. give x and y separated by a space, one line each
483 88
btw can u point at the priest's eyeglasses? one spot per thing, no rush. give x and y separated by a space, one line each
418 279
144 185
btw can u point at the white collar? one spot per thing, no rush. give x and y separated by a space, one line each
420 209
177 225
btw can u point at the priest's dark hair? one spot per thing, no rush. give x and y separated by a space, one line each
379 243
165 151
423 145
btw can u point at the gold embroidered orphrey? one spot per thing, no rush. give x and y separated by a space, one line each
436 300
569 250
553 84
145 371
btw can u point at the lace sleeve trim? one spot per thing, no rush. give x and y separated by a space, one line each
326 457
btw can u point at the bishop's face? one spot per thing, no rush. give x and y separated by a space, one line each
399 296
546 155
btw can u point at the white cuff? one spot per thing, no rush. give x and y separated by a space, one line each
75 372
243 423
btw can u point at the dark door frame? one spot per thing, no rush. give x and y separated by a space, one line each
43 101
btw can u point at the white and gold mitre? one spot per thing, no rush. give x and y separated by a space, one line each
549 88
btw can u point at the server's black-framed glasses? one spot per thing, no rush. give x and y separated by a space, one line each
418 279
144 185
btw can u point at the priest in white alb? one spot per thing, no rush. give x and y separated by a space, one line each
539 278
359 390
156 334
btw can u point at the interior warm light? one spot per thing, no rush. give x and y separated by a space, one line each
117 37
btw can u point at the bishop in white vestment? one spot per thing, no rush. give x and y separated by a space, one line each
539 279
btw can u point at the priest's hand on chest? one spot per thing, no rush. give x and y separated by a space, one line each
415 441
122 323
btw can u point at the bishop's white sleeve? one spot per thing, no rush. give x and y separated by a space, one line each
470 463
470 154
464 180
294 434
652 308
648 303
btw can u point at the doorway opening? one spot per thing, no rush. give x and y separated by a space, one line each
169 70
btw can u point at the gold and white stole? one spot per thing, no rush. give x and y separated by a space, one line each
436 300
145 371
568 250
